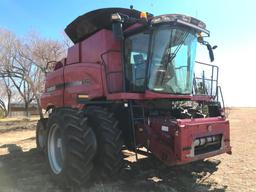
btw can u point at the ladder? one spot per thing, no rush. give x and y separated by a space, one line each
137 114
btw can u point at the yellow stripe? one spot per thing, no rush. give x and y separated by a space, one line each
83 96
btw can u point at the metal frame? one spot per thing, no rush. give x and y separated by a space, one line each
107 72
211 79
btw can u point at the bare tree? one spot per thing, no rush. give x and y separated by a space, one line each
24 60
5 95
3 107
41 52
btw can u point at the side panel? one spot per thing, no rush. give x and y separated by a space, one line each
114 72
176 142
191 130
74 55
102 48
84 79
53 94
93 47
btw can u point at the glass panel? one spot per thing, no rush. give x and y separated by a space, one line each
136 53
172 62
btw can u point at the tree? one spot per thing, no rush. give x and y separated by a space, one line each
5 95
41 53
14 67
24 60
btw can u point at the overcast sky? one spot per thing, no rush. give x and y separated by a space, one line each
231 22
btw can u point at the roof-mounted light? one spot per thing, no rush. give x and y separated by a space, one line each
115 17
143 15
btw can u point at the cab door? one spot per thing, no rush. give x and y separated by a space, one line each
135 61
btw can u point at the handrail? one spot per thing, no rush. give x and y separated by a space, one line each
106 69
207 79
222 98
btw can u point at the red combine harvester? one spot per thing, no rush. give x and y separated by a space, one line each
129 83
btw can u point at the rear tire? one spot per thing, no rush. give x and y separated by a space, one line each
109 158
71 147
41 135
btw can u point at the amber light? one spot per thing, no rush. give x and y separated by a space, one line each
143 15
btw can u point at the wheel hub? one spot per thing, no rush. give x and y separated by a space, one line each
55 149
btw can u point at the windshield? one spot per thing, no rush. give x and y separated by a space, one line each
172 60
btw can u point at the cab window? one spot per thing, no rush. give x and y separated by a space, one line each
136 56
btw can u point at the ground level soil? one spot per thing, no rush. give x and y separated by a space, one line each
24 169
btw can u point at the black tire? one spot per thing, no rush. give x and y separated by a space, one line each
41 135
109 158
78 147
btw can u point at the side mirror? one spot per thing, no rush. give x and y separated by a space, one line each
209 47
211 55
117 28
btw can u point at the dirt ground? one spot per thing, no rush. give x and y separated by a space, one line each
23 168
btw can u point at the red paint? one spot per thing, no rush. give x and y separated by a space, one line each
168 146
78 72
89 52
74 55
54 98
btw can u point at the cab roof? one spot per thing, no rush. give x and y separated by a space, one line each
89 23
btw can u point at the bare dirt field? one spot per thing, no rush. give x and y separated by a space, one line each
24 169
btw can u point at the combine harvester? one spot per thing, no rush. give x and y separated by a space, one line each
127 83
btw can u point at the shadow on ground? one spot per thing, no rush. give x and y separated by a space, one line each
28 171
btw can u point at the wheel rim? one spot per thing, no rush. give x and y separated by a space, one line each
55 149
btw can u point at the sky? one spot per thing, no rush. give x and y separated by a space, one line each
232 24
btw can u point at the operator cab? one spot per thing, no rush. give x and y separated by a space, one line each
160 59
159 55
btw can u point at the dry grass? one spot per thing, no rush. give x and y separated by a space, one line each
19 119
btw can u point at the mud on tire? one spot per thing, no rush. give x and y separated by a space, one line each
71 147
109 157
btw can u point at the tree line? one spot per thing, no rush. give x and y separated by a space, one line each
23 65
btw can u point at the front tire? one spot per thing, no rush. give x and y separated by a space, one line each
109 158
71 147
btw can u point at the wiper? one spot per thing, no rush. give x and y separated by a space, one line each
173 55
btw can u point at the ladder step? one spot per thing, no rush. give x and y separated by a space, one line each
139 118
137 106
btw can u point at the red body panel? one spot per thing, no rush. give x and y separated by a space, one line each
54 97
100 65
175 145
196 128
84 79
74 54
